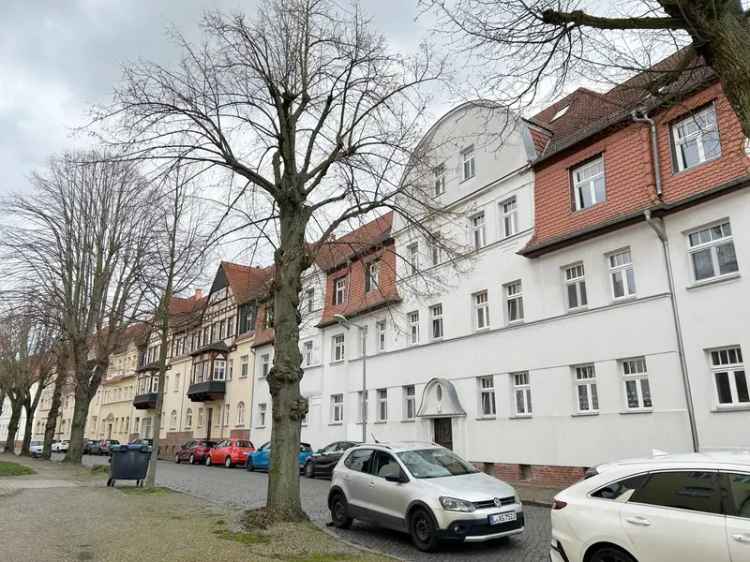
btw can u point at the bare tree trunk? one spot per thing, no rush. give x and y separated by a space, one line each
54 409
15 416
288 405
78 423
164 341
28 427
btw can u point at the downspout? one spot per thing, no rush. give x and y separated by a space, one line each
658 227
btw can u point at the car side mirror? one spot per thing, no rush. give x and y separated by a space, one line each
398 477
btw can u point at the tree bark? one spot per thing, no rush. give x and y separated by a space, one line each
288 405
54 409
15 416
78 424
28 427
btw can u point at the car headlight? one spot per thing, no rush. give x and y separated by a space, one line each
454 504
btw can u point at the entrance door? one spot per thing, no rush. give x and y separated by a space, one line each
208 423
443 431
109 431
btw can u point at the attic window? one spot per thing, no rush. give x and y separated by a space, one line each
560 112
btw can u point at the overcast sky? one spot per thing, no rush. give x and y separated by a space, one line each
58 58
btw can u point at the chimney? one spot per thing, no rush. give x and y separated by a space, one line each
198 295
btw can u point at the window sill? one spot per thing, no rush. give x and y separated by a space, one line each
624 299
521 417
714 280
584 414
486 418
637 411
737 408
336 423
514 322
260 427
380 422
578 309
336 362
412 420
483 329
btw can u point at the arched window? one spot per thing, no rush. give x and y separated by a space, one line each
189 418
173 420
240 413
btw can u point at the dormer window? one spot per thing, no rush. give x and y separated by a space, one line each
589 187
560 112
695 139
339 290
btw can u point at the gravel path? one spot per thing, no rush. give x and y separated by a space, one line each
248 489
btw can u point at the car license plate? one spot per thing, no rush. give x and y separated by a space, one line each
497 518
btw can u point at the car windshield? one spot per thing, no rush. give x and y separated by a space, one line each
435 463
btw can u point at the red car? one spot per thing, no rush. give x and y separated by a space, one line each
230 452
194 452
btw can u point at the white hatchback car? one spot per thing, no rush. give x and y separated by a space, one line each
425 490
681 508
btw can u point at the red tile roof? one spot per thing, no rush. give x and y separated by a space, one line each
246 281
338 251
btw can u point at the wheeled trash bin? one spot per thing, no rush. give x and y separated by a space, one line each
129 462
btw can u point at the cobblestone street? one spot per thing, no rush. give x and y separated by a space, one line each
248 489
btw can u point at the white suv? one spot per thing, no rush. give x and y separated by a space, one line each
425 490
686 508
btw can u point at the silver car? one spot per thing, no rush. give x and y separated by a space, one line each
425 490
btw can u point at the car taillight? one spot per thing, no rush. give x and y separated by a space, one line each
558 504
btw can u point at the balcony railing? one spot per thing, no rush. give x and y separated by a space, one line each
206 390
145 401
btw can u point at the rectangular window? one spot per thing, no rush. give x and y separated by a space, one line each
380 328
478 233
439 179
410 411
521 393
230 327
586 394
729 377
412 254
310 300
588 184
361 406
436 311
575 286
269 317
265 364
223 330
509 216
469 167
244 366
337 348
339 290
436 250
413 318
220 366
486 395
262 410
481 310
247 318
513 302
337 408
695 139
637 387
372 275
307 353
712 251
382 395
621 274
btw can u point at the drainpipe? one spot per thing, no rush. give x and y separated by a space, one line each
658 227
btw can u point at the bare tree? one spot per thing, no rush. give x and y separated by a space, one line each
542 46
316 115
60 380
85 231
178 256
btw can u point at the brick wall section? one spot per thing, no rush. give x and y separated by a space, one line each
169 444
629 173
543 476
240 434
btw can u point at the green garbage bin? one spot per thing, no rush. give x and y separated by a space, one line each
129 462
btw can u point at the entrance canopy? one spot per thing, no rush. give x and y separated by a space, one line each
440 400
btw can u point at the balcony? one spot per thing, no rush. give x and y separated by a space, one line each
145 401
206 391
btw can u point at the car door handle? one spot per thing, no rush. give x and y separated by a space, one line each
638 520
744 539
372 484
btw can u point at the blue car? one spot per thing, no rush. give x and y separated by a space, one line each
261 459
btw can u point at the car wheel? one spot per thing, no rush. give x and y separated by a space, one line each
177 459
340 512
192 459
250 466
610 554
228 462
310 470
422 530
208 460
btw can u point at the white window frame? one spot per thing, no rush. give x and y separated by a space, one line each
521 394
509 216
728 360
339 290
308 353
696 246
634 372
585 377
436 321
438 173
413 319
372 275
620 263
513 293
265 365
337 408
310 299
338 348
478 224
469 166
487 399
380 333
575 275
220 369
436 251
678 140
240 413
410 401
381 395
262 414
412 249
581 185
362 406
481 306
244 366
